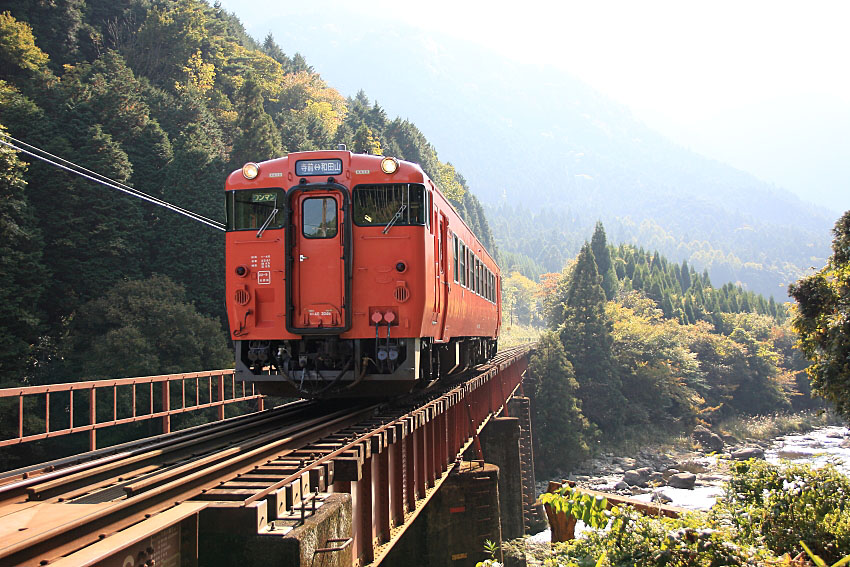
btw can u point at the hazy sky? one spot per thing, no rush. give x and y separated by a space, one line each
762 85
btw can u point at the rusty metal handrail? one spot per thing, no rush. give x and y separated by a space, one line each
212 381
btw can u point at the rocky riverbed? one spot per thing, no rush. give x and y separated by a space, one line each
693 477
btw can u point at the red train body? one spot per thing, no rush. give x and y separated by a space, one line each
352 275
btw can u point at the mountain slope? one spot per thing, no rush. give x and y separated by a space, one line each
537 144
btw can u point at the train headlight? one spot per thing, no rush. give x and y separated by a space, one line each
250 170
389 165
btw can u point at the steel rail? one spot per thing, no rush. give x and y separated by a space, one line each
162 443
194 441
162 497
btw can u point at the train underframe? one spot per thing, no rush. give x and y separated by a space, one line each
328 367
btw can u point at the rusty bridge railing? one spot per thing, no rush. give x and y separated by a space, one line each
52 410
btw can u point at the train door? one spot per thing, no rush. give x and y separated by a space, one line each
444 276
435 230
318 279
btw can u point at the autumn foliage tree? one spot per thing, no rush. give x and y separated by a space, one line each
821 318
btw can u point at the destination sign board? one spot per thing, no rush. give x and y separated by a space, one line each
308 167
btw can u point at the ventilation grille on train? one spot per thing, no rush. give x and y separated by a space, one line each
242 297
401 292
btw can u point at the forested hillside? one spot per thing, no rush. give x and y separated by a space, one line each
567 157
637 344
169 97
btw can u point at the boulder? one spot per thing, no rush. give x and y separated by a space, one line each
748 453
729 439
655 478
621 485
682 480
692 467
707 440
637 477
660 497
670 472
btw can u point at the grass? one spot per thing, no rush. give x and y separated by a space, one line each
764 427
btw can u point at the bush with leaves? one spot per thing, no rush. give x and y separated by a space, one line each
781 505
822 321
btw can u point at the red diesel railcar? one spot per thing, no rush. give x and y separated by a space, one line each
352 275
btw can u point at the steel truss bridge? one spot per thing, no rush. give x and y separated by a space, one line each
343 479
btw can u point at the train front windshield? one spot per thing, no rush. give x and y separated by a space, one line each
378 205
252 209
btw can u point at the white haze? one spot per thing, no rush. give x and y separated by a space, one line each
760 85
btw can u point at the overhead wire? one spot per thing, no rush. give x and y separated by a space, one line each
76 169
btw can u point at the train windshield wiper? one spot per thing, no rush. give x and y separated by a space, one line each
267 223
395 218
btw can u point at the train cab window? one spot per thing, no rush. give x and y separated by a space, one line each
251 209
318 217
378 205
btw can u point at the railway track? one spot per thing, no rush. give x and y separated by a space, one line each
51 511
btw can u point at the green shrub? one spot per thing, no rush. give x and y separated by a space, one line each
634 539
779 506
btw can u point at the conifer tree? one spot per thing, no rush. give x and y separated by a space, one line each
22 273
365 142
685 276
258 138
561 431
586 336
599 245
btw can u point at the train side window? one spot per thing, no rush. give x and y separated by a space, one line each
463 264
480 279
318 217
454 247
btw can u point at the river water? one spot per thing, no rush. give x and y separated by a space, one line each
827 445
818 447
